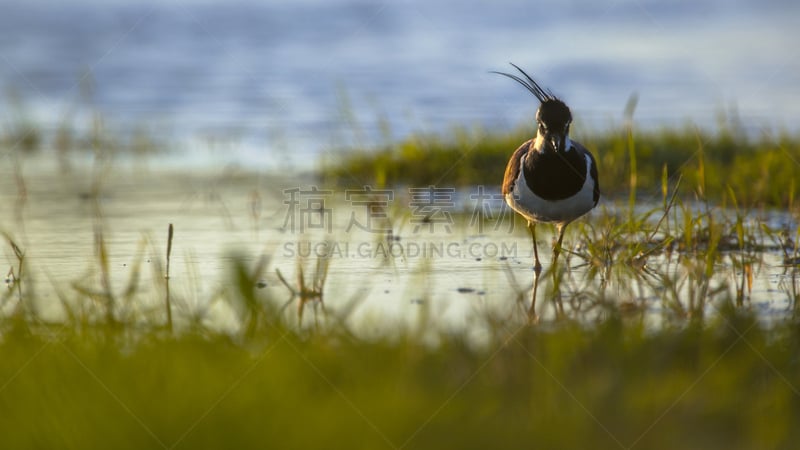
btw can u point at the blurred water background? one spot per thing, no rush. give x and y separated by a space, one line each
283 82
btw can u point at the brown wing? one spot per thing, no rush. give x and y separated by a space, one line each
513 168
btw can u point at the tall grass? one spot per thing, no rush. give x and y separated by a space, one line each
168 302
730 383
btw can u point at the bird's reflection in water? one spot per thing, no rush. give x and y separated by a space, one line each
553 294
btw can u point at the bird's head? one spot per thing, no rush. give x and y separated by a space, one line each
553 119
553 116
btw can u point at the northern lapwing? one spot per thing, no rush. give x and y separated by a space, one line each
550 178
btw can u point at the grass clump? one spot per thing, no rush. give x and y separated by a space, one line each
728 384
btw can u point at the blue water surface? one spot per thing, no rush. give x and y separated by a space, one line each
289 81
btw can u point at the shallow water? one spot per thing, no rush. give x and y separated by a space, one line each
465 263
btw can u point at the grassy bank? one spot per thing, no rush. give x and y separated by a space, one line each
730 384
760 170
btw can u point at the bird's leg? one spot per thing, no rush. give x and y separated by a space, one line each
556 279
557 249
537 267
533 318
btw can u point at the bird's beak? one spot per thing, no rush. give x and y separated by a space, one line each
558 141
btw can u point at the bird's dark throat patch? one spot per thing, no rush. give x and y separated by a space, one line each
555 175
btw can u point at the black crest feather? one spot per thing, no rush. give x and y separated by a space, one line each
530 84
